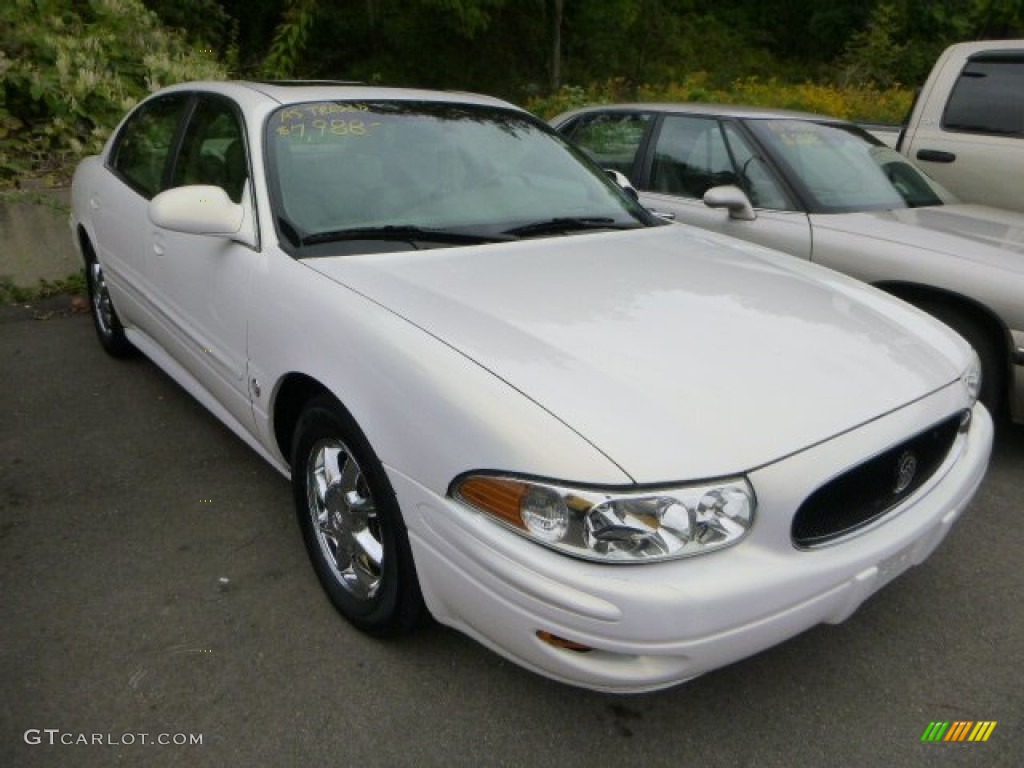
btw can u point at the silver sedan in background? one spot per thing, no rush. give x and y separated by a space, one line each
824 190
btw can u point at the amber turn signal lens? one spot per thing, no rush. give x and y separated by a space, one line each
497 496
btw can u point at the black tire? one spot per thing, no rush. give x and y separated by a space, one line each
351 523
986 344
108 326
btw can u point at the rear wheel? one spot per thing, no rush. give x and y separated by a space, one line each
351 523
104 317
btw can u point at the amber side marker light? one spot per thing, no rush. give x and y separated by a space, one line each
561 642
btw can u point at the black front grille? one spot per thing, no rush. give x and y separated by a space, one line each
866 492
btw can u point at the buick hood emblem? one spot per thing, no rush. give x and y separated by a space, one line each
906 468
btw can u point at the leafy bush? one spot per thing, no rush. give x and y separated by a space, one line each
70 71
867 103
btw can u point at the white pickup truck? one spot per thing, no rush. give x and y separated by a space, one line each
966 129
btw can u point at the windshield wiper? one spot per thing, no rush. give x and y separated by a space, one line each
399 232
568 224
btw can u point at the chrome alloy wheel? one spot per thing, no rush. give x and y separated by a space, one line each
102 307
344 518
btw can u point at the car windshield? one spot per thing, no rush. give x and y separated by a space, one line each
430 174
838 168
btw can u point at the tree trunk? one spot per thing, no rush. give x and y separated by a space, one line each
556 44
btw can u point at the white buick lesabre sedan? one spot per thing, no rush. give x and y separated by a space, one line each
618 453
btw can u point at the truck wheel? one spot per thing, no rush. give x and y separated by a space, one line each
993 371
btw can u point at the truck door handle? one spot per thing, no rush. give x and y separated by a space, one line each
935 156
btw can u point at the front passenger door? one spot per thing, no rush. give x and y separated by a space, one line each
692 154
201 283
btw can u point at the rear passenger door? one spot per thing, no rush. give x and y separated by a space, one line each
139 163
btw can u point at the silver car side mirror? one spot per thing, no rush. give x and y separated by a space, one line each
733 199
202 210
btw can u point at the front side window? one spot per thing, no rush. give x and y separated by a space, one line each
142 149
611 139
839 169
754 175
988 97
341 170
213 150
690 157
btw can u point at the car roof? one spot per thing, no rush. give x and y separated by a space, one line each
299 91
986 46
701 108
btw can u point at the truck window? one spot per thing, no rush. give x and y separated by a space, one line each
988 97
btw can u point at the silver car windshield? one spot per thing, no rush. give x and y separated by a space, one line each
438 173
839 169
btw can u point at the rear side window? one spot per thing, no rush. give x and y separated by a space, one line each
988 97
610 139
144 144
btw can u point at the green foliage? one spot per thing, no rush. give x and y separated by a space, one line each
470 16
881 44
216 34
290 39
34 197
866 103
872 55
900 40
11 293
71 70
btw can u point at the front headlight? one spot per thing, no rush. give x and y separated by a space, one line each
626 527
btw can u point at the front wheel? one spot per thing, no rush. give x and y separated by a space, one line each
351 523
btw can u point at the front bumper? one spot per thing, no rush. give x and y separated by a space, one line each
655 625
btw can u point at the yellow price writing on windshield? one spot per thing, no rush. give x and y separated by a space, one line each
308 111
323 127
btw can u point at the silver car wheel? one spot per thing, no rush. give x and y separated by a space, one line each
344 518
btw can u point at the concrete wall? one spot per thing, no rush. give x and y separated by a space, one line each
35 242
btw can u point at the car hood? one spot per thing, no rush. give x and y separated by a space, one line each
678 357
977 233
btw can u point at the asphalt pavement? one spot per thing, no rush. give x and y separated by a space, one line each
155 589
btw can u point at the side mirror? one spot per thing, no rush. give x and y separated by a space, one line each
733 199
201 209
620 178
